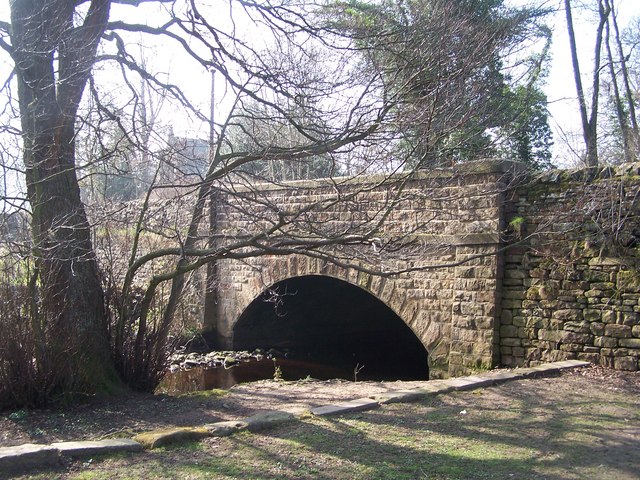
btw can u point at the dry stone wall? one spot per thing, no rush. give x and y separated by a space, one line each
572 289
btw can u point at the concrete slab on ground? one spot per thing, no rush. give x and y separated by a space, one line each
89 448
29 455
357 405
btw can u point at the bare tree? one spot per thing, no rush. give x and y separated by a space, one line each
590 122
53 57
54 46
625 104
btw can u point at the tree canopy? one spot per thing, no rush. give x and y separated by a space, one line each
445 64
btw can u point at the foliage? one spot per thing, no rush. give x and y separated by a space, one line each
444 63
528 136
33 371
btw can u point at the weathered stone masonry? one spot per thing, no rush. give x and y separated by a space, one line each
564 289
572 290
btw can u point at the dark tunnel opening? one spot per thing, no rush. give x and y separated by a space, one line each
326 321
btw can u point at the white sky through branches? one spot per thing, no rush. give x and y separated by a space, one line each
560 87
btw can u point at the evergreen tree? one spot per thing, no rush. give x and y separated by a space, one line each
444 63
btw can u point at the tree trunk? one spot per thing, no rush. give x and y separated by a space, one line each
620 113
53 60
589 124
72 296
635 131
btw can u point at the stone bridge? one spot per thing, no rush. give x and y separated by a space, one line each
496 269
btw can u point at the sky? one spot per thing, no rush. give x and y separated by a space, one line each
560 87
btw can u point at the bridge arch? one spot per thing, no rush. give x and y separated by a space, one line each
328 319
423 302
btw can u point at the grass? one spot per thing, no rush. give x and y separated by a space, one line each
532 429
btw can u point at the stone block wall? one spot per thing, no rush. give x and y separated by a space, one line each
528 269
448 219
571 285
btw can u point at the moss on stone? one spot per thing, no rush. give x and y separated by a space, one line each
533 293
159 438
560 182
213 393
628 281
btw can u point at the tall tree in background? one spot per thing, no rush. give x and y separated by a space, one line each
623 101
589 121
254 126
443 62
528 138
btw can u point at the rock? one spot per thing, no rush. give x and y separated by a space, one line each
606 342
618 331
89 448
626 363
159 438
569 314
508 331
629 342
261 421
229 361
177 358
577 327
577 338
224 429
628 281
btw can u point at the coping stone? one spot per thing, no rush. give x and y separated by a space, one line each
95 447
501 377
357 405
29 455
398 396
469 383
159 438
224 429
263 420
443 386
554 367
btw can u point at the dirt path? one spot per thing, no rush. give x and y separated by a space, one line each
128 414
